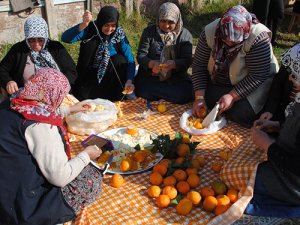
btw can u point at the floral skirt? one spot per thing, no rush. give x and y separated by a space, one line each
84 189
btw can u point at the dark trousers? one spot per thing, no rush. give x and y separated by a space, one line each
111 85
269 13
241 112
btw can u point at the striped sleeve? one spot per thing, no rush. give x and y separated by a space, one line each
200 73
258 62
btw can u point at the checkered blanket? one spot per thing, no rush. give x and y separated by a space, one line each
130 203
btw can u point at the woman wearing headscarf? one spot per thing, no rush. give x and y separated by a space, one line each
164 56
277 182
39 182
283 90
35 52
234 65
105 65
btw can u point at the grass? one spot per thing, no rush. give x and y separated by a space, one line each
194 21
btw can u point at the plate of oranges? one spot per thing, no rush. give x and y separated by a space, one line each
194 126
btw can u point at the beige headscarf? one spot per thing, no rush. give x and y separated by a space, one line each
169 11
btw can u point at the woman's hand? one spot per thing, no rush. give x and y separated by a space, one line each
168 66
93 151
129 87
198 107
86 19
266 116
11 87
261 139
267 125
154 65
227 101
80 107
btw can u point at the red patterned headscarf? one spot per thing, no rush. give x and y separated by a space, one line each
234 26
41 96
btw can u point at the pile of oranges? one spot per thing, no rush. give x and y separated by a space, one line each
173 183
218 198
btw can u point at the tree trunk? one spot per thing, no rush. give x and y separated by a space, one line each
129 7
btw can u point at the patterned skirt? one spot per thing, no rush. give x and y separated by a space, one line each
84 189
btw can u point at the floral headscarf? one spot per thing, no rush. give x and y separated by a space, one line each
107 14
36 27
41 96
234 26
291 60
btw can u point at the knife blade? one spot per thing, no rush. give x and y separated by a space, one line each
211 117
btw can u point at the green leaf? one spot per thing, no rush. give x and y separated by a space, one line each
176 200
137 147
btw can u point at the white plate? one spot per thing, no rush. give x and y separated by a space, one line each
117 144
213 127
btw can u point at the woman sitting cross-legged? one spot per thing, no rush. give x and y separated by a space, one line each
164 56
39 182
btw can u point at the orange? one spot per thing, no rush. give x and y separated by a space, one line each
198 124
154 191
169 181
165 162
132 130
160 168
156 178
194 197
170 191
117 180
220 209
217 166
201 160
179 160
183 150
163 201
103 158
207 191
202 112
180 175
183 187
232 195
193 180
125 165
219 187
186 139
139 156
223 200
161 108
210 203
190 171
184 206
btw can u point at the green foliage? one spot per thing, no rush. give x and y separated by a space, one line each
168 147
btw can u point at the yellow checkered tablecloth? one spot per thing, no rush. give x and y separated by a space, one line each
130 203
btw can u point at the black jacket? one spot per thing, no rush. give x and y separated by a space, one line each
13 64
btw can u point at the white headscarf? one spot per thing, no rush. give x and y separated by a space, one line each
291 59
36 27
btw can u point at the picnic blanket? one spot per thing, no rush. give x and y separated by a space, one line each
130 204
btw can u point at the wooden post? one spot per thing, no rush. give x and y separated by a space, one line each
129 7
51 19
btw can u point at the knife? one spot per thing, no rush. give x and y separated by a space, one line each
211 117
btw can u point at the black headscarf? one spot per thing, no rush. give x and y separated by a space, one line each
107 14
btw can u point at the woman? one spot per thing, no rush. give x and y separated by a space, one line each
283 91
35 52
277 182
39 183
234 66
105 65
164 56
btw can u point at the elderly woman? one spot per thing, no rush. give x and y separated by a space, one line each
164 56
105 65
40 184
35 52
234 66
282 90
277 182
